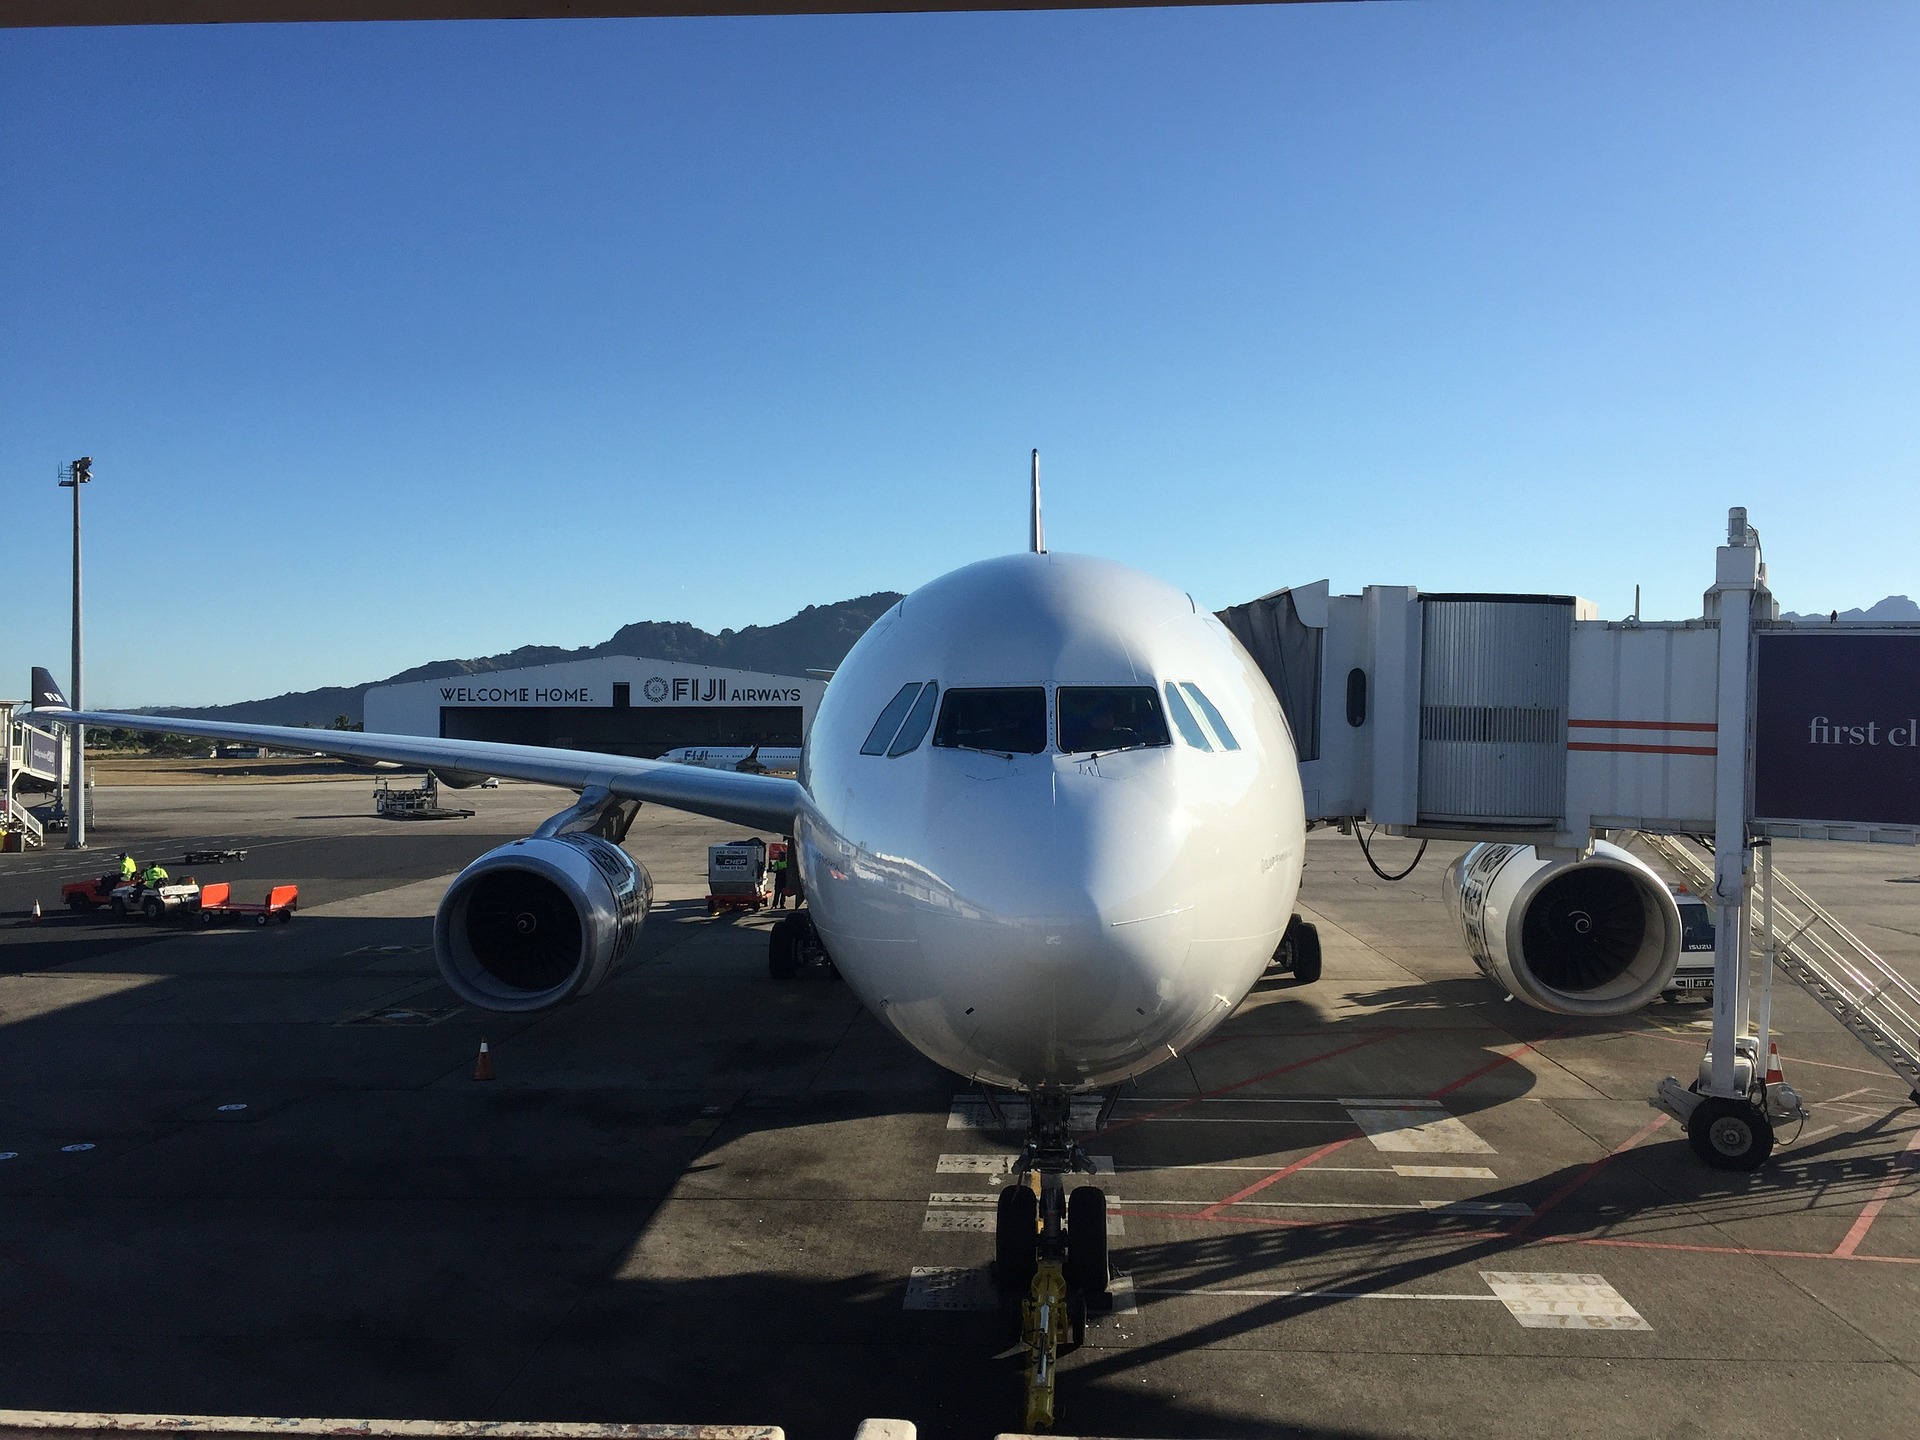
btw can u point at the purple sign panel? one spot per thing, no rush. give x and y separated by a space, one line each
43 753
1837 728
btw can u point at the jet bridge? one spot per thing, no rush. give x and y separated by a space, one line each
1526 720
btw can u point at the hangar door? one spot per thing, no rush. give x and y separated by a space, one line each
646 733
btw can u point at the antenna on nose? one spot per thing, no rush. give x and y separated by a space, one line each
1037 534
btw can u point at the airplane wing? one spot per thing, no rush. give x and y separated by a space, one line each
757 802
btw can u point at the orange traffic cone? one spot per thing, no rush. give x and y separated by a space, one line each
36 912
1774 1075
483 1063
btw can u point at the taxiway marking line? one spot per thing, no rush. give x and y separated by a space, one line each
1672 1039
1587 1174
1882 1193
1264 1181
1499 1060
1749 1251
1374 1039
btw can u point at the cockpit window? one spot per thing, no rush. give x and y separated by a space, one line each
1214 718
890 718
1009 721
1109 717
918 719
1183 720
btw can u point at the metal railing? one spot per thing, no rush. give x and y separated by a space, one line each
1877 1005
20 818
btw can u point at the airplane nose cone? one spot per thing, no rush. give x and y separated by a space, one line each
1090 921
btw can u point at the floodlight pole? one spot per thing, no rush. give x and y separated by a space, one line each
78 474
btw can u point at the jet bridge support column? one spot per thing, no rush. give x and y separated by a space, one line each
1727 1128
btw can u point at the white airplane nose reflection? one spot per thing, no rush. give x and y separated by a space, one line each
1085 933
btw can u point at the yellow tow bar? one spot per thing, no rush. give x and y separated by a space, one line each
1045 1327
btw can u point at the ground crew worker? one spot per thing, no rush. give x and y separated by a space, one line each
153 877
128 869
779 867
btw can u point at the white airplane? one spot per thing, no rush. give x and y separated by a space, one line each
754 760
1049 824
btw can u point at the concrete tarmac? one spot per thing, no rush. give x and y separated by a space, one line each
1389 1204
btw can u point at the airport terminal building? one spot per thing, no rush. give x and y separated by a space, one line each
619 704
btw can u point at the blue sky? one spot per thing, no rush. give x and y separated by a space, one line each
400 342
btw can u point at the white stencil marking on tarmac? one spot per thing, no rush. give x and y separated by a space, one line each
950 1288
1557 1300
1418 1131
974 1164
972 1220
1445 1172
950 1197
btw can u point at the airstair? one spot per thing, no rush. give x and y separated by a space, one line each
1879 1007
23 822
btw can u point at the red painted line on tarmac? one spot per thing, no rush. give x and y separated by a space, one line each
1374 1039
1587 1174
1257 1186
1495 1064
1871 1211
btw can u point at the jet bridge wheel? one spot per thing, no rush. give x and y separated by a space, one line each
1730 1134
1016 1240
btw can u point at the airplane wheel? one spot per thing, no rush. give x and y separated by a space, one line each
1306 955
1087 1240
783 951
1016 1240
1730 1134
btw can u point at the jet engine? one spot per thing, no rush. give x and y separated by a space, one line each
540 921
1597 936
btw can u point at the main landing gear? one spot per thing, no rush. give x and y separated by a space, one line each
1050 1247
1299 952
793 945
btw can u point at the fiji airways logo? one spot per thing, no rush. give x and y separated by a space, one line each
682 690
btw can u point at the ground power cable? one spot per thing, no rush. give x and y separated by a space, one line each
1373 865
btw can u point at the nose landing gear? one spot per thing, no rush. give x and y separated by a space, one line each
1050 1248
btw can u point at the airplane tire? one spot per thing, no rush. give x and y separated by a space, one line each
1730 1134
783 951
1016 1240
1306 955
1087 1240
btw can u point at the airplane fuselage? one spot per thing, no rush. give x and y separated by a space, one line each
1031 915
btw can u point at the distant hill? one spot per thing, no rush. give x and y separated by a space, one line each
818 638
1894 607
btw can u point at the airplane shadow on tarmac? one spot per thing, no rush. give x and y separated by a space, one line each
694 1196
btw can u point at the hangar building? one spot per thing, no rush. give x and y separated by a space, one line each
615 703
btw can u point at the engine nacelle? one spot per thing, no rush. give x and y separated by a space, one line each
1598 936
540 921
